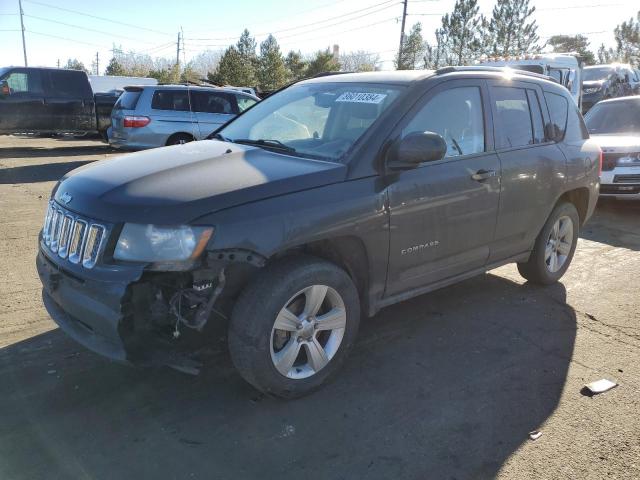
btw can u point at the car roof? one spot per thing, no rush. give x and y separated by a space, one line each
192 87
390 76
629 98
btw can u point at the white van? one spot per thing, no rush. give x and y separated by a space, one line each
565 68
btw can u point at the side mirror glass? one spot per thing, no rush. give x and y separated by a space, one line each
416 148
4 88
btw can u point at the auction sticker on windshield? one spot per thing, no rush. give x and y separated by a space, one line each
361 97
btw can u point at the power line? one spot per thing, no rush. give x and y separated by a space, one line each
388 3
68 39
97 17
85 28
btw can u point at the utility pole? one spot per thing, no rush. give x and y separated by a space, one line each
24 45
58 63
178 51
404 17
97 64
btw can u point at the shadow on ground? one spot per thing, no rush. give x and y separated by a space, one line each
616 223
48 172
65 151
445 386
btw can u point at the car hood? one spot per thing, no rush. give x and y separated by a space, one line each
177 184
617 143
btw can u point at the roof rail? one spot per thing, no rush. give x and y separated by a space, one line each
481 68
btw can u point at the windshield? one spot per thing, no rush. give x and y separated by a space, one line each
3 71
593 74
614 118
318 120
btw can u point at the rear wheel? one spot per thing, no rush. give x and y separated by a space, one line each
179 138
554 247
292 327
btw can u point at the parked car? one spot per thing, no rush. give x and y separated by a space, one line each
630 79
51 100
155 116
615 125
564 68
335 196
600 83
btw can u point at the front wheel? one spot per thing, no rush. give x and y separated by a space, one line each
554 247
292 327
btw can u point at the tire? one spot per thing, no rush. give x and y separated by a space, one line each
552 244
179 138
259 350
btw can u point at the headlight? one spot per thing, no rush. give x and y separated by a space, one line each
152 243
592 90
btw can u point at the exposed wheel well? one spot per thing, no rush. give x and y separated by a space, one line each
347 252
179 134
580 199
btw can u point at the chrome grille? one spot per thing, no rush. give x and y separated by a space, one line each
70 236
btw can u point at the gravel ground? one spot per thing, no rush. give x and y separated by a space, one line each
445 386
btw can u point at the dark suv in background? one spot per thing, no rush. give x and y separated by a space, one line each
600 83
335 196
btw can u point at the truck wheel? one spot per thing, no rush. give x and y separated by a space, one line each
554 247
292 327
179 138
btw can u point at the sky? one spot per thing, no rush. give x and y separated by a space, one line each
60 29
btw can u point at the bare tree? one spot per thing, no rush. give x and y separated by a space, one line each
359 61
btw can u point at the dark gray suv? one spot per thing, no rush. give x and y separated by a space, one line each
332 198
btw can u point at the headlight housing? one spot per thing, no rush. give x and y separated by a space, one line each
153 243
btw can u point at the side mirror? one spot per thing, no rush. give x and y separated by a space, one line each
4 88
416 148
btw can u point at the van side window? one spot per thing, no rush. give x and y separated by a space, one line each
457 115
536 116
244 102
212 102
177 100
68 83
513 123
24 82
558 109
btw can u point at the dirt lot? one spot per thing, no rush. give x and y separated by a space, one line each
445 386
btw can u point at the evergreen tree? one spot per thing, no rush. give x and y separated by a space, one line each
413 49
573 43
272 72
75 64
115 68
296 66
627 36
459 36
322 61
246 47
606 55
511 30
230 70
435 55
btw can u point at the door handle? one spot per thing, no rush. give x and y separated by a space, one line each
482 175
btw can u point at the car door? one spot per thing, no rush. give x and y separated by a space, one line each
533 168
22 107
213 109
443 213
69 100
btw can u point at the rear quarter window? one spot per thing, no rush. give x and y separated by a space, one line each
128 100
177 100
558 111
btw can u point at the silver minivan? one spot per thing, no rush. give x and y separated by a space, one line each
159 115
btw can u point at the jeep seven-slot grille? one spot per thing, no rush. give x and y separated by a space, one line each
72 237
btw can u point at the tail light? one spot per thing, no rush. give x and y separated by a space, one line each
131 121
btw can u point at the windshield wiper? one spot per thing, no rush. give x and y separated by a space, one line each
265 142
217 136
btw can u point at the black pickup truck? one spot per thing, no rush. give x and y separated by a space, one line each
335 196
51 100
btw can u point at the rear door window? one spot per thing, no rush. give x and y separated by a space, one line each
513 117
69 83
558 110
177 100
213 102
